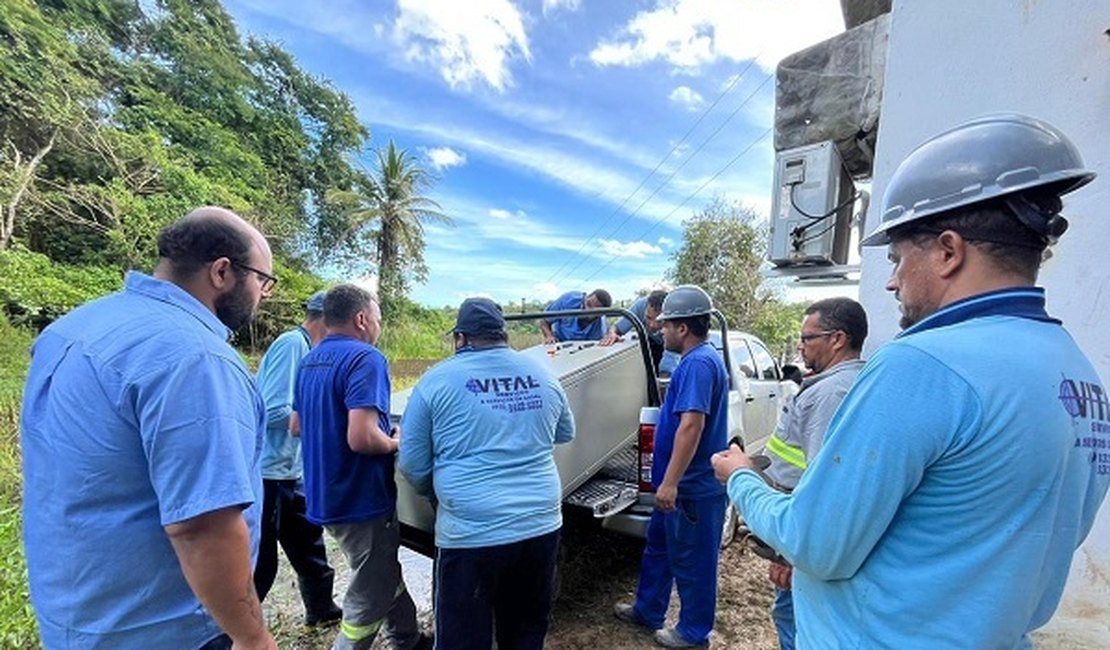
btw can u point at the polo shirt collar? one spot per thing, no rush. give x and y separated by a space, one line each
171 294
1020 302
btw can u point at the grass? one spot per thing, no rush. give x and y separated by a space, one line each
17 621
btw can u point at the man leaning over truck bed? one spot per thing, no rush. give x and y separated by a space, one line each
959 474
484 424
684 534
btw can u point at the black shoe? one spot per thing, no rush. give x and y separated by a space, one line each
426 642
329 615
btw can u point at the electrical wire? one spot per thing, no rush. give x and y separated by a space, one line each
686 135
678 207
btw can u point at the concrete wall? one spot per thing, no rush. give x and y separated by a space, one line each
950 60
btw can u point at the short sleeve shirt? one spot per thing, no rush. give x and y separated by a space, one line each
137 414
575 329
341 486
699 384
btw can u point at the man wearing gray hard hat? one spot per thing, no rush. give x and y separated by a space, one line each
959 474
283 504
684 534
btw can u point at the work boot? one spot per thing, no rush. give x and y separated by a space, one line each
669 637
319 607
627 613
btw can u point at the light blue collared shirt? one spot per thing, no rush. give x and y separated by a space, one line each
277 376
137 414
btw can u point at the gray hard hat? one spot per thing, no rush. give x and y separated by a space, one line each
685 301
989 157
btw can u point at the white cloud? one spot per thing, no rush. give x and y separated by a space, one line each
687 97
688 34
498 213
468 42
552 6
445 157
665 241
628 249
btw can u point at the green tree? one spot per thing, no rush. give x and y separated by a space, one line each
385 208
722 250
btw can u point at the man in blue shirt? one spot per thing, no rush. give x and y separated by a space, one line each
283 507
484 424
140 435
684 534
341 409
945 515
646 309
588 328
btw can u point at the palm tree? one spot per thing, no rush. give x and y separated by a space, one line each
386 205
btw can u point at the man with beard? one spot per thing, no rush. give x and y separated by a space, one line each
832 338
957 478
684 534
341 409
141 432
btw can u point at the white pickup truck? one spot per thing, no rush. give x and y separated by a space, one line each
602 468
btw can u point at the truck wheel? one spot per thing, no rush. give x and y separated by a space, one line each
728 533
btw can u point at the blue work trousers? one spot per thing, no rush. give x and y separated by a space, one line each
782 612
682 549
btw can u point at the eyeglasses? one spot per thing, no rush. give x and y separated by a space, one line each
806 338
268 281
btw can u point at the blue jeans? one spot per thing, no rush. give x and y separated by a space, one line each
782 612
682 549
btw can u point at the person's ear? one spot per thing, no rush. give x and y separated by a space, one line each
950 250
220 273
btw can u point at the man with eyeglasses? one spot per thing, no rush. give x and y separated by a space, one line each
959 475
832 338
141 430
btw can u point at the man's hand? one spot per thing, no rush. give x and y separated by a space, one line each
782 575
611 337
549 339
728 461
666 496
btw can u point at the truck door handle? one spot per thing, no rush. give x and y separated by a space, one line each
772 395
749 398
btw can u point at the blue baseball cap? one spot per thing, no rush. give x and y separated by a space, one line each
316 302
479 316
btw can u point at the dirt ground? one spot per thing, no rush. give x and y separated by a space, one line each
597 569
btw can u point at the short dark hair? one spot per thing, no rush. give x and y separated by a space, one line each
655 299
698 325
313 315
842 314
343 301
192 242
991 227
488 339
603 297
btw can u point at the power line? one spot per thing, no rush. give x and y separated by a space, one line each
686 135
701 146
687 199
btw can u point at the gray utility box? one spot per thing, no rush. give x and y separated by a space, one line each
811 210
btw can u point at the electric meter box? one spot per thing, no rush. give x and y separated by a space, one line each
811 210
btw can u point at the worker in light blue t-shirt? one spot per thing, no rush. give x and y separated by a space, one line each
480 430
341 409
684 534
284 507
570 328
959 474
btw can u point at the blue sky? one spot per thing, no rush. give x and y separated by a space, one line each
544 121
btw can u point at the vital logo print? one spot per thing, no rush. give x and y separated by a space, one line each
501 384
1084 400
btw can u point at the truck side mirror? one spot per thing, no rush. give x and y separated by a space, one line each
747 370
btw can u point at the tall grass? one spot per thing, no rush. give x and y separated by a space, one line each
17 621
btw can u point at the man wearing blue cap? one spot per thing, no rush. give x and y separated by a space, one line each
283 505
484 424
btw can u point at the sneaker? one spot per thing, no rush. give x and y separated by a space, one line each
669 637
627 613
